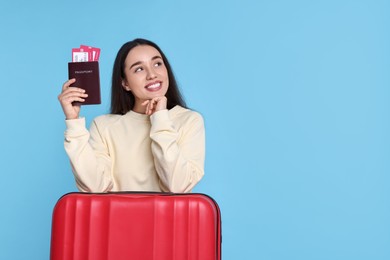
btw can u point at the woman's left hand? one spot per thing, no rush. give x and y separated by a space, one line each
155 104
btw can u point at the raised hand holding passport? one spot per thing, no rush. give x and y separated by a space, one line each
83 86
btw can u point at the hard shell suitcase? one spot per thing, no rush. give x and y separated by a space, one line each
140 226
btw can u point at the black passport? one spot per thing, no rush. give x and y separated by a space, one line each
87 77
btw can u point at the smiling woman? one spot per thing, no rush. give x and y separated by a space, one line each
147 77
149 142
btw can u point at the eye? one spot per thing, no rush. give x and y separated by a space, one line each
158 64
138 69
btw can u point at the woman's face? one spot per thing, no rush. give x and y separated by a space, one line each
145 74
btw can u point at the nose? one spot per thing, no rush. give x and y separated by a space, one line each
151 73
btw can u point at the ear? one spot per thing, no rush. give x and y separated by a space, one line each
125 85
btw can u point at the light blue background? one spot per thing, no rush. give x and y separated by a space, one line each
295 96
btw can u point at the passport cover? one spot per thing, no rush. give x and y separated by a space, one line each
87 77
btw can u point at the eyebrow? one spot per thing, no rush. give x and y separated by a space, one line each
140 62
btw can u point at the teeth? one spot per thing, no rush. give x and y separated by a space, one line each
156 85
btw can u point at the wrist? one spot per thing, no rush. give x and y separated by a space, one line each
71 117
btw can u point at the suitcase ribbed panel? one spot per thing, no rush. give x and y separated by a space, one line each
136 226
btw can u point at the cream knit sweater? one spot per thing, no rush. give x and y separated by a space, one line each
136 152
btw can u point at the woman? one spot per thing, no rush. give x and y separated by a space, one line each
149 142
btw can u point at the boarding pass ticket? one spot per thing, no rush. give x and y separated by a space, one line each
85 53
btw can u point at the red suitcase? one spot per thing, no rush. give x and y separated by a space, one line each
140 226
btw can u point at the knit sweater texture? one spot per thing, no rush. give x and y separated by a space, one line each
136 152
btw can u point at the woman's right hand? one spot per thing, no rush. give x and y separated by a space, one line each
68 96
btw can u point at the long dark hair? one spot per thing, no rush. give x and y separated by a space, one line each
123 101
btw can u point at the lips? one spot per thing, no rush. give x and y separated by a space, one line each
154 86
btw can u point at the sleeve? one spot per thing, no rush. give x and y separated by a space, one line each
178 158
90 161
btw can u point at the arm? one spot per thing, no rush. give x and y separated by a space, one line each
178 158
91 164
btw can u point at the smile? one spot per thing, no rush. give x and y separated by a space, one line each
154 86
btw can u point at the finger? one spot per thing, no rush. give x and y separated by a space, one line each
79 99
68 83
156 102
73 91
148 108
147 103
70 97
75 99
151 104
69 101
152 107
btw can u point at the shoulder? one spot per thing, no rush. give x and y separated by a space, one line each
184 116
